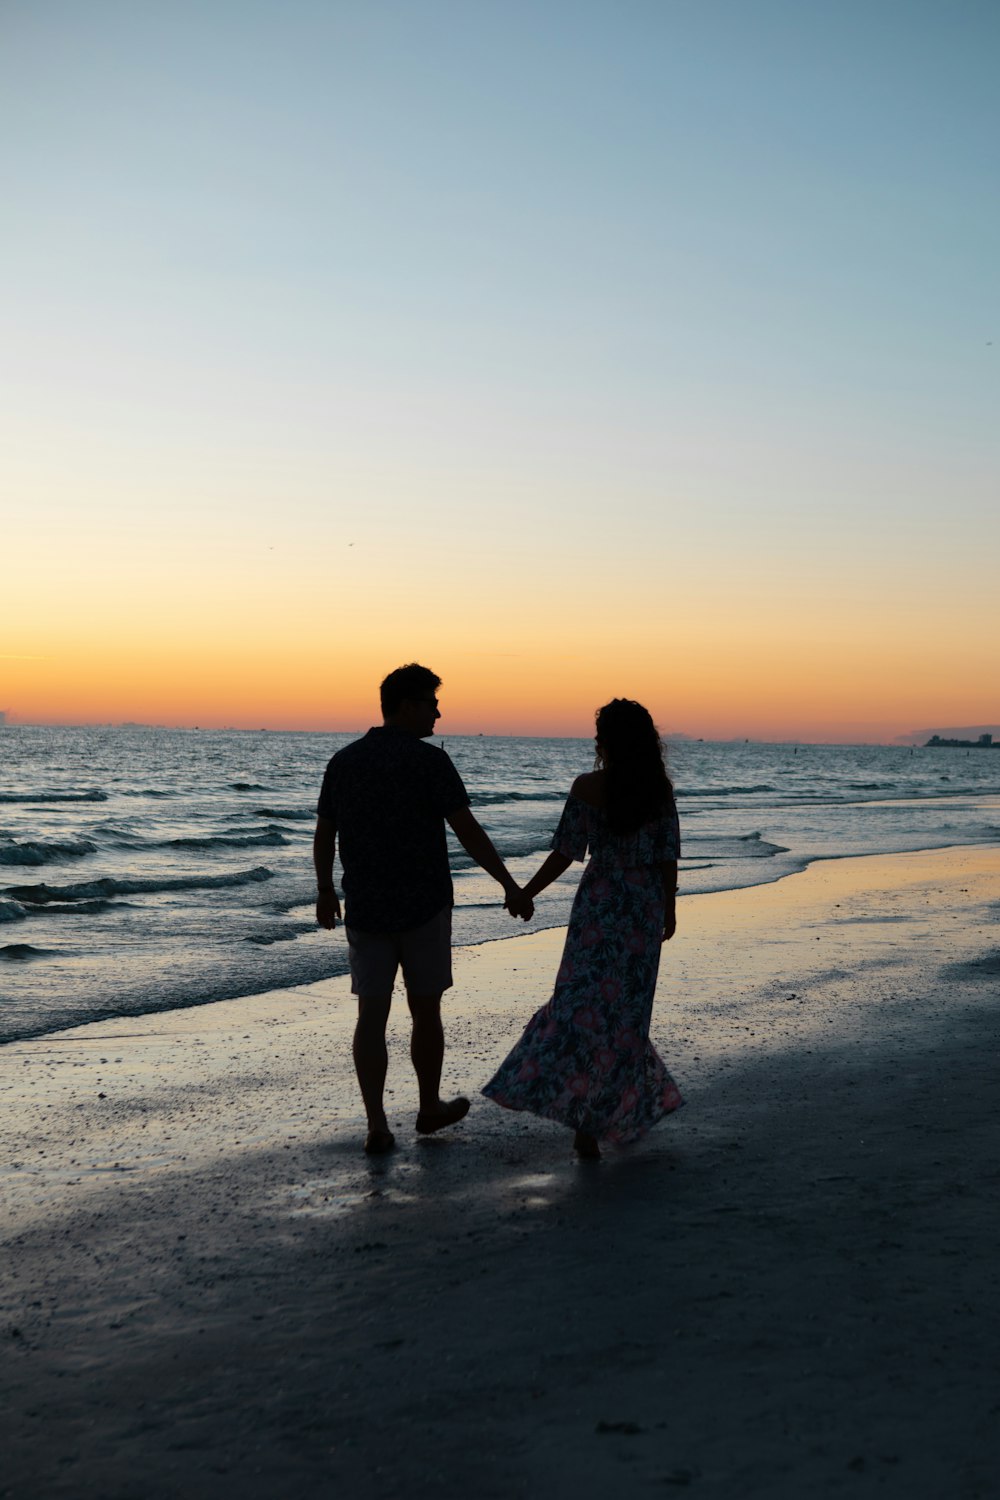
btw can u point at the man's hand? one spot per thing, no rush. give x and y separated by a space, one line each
669 922
519 905
327 909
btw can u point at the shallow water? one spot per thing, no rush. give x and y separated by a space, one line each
147 869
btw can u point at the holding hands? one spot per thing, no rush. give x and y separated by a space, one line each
519 905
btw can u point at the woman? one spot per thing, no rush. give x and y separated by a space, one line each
585 1058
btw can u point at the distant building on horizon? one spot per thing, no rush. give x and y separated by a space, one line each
984 742
942 733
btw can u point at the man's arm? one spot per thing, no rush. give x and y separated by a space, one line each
324 848
476 841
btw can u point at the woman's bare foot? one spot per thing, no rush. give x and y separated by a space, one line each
586 1146
379 1140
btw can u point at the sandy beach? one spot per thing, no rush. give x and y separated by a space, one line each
789 1290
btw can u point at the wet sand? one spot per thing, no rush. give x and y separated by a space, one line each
790 1289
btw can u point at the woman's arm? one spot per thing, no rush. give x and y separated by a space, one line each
554 866
669 871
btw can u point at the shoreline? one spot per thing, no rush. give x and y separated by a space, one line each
788 1289
244 997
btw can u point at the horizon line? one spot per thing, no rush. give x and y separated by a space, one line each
905 739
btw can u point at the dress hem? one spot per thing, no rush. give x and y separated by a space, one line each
552 1112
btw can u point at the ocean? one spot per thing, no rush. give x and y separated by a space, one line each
148 869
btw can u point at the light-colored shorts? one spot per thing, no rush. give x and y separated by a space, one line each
423 952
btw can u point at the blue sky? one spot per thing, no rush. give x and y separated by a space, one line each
686 287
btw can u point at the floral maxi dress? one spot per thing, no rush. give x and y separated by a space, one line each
585 1058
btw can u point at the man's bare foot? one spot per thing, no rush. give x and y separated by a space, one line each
446 1114
586 1146
379 1140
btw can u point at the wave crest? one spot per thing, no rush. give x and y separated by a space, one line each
722 791
272 838
42 852
487 799
92 796
81 908
42 895
292 814
739 846
21 952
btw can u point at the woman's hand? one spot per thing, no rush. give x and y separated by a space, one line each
669 871
519 905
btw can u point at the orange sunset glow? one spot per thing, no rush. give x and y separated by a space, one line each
759 680
292 411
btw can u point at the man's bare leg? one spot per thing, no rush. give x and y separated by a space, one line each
427 1048
371 1061
427 1055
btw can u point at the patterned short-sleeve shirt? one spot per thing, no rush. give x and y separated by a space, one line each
388 795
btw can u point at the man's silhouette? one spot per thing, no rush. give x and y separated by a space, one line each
386 798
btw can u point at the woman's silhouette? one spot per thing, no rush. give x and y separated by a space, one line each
585 1058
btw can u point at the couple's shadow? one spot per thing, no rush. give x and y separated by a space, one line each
534 1168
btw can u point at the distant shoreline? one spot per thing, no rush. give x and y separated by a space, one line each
914 740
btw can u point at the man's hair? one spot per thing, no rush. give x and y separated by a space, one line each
411 681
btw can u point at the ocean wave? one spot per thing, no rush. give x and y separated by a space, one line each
508 848
81 908
94 796
494 799
248 973
891 796
741 846
12 911
42 895
119 835
271 839
248 786
40 852
289 813
722 791
22 952
147 791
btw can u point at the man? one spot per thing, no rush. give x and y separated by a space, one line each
387 797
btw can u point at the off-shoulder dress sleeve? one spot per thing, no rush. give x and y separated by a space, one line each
570 837
668 836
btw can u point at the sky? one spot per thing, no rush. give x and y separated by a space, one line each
578 350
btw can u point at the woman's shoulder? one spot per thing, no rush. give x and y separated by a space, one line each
589 788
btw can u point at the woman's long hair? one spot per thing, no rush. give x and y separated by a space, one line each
630 753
